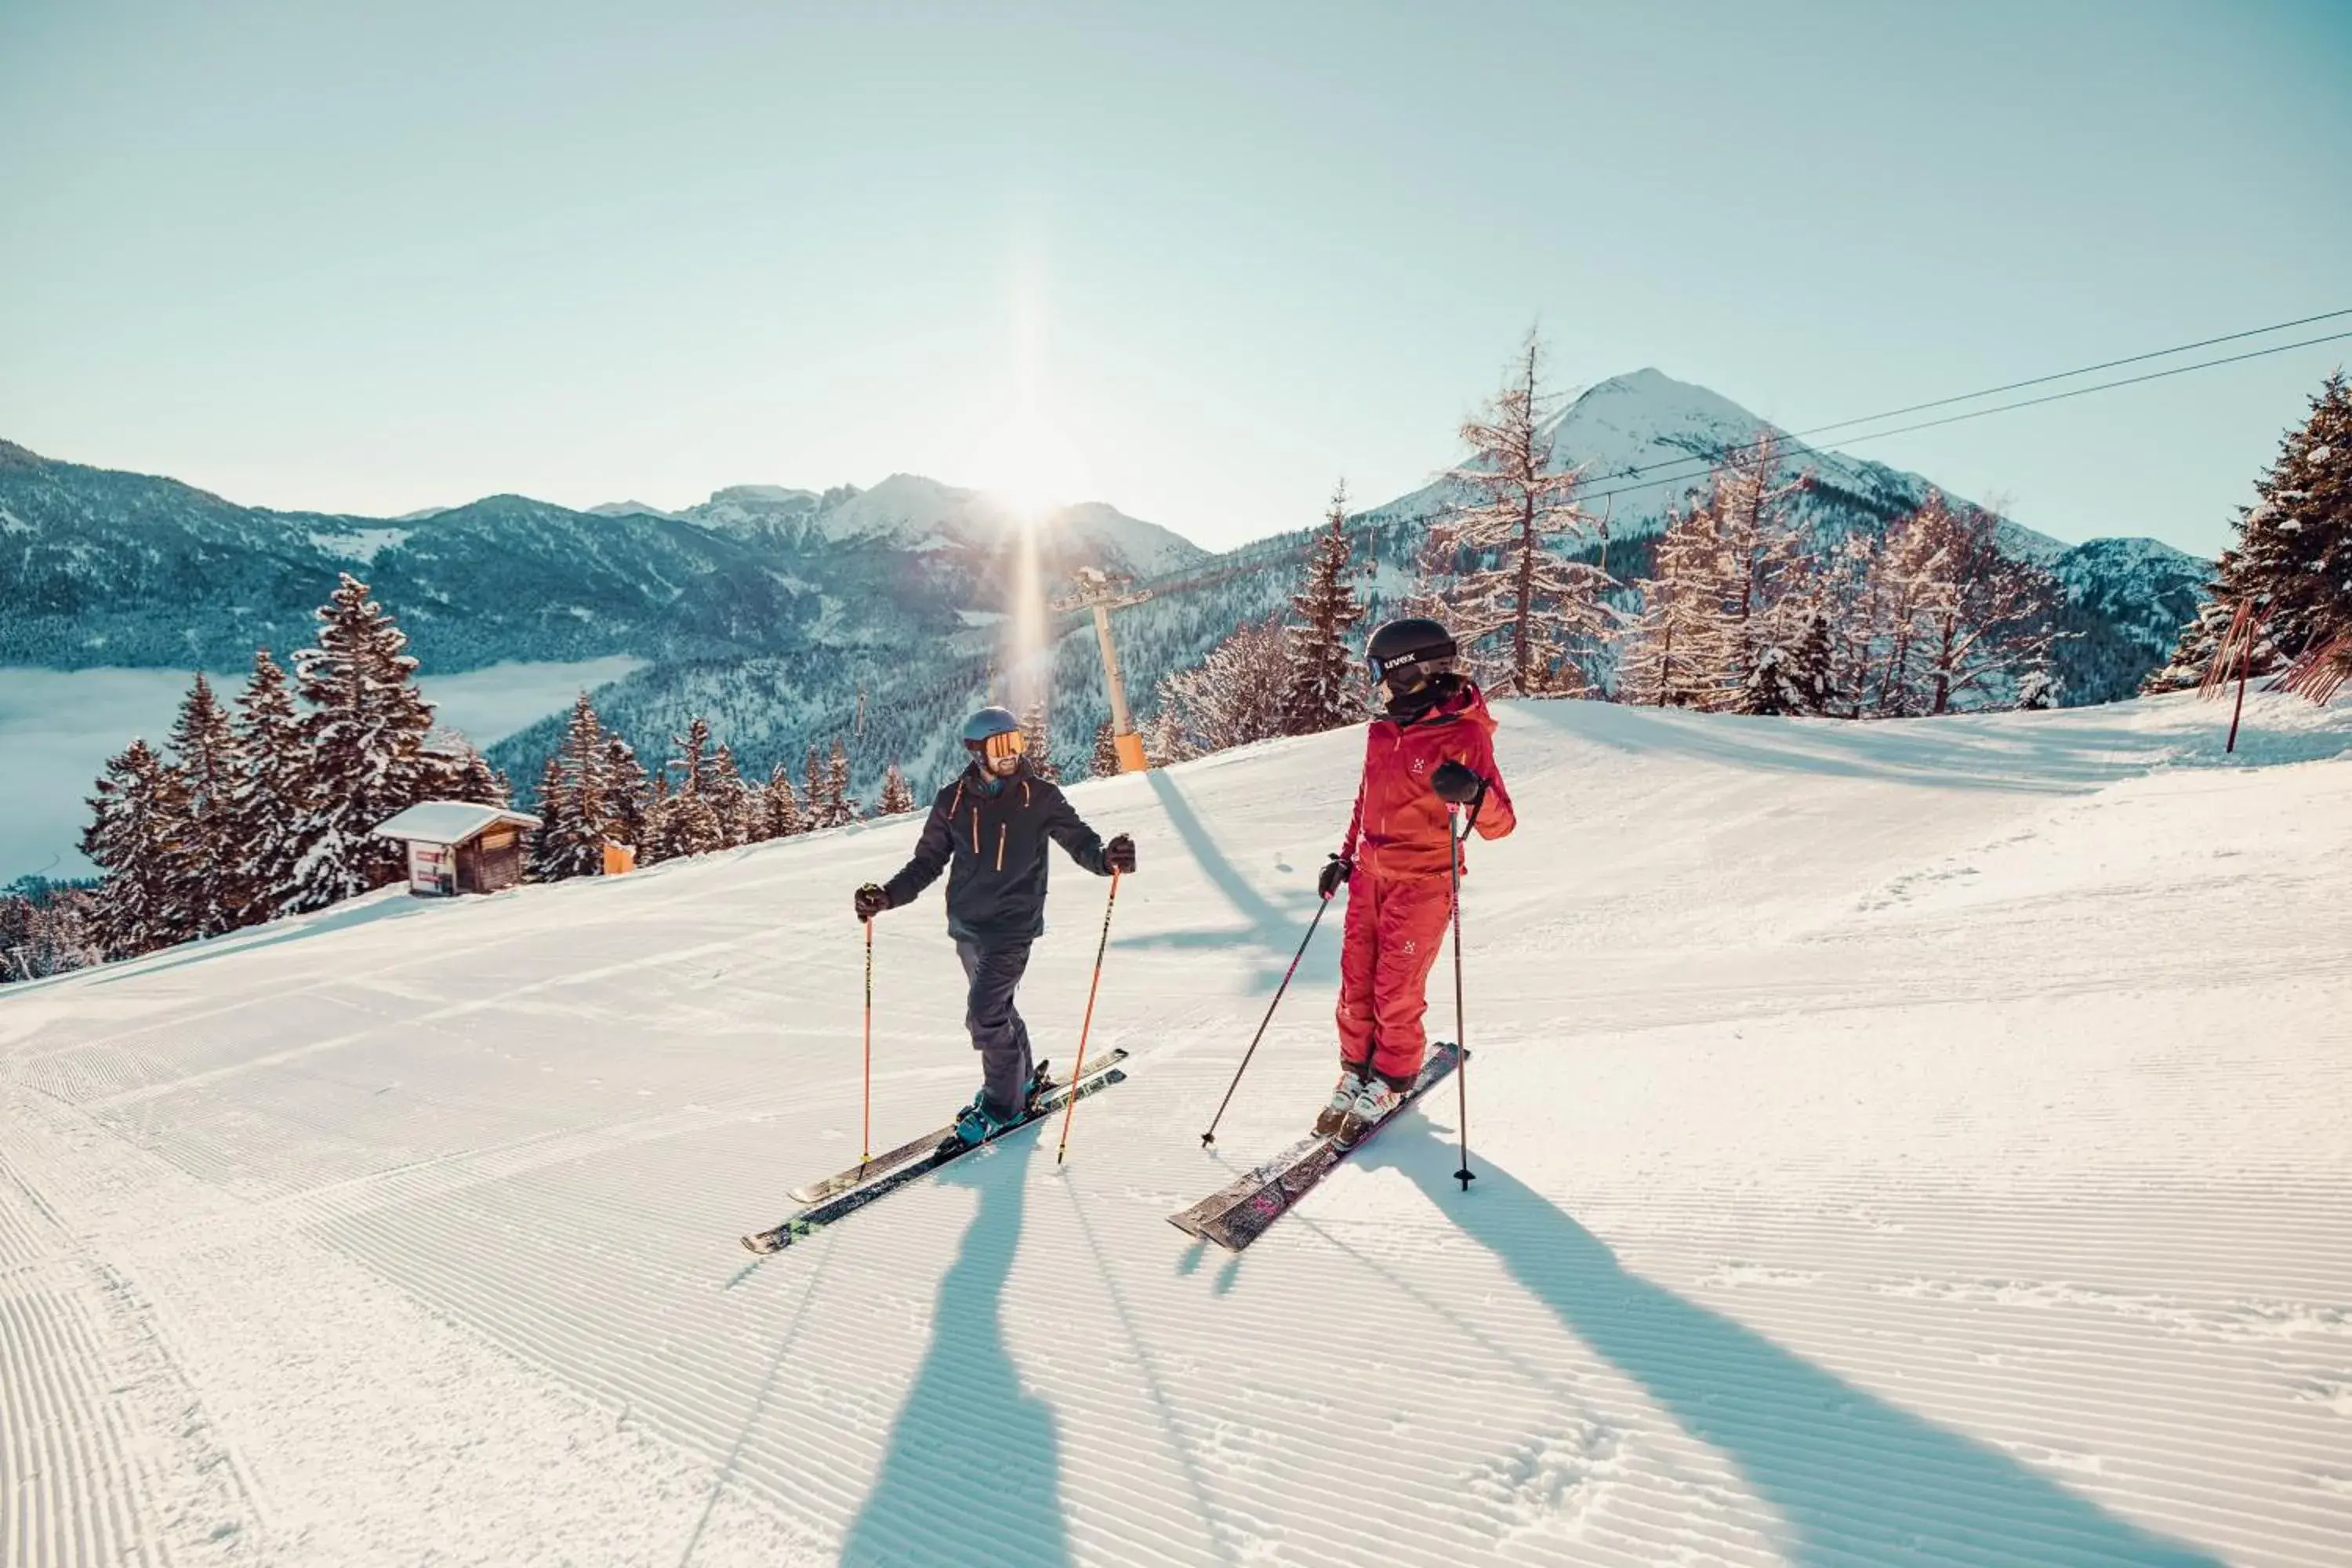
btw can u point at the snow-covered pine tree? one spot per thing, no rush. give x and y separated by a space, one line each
136 837
1772 688
554 855
686 821
731 799
1851 596
898 796
1904 577
1037 741
841 807
784 812
2293 558
628 797
468 776
269 799
1764 581
1104 761
574 807
1984 619
1325 690
1677 648
44 928
1813 664
365 738
1233 697
212 894
1507 586
814 780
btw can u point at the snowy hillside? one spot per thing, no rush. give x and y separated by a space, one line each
1916 1143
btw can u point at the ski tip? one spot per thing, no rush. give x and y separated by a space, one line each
751 1247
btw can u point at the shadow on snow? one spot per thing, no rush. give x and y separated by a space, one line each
1856 1479
1274 930
973 1469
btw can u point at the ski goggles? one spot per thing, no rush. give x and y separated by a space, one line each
1434 660
997 747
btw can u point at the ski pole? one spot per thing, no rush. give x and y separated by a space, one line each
866 1133
1209 1139
1465 1175
1079 1072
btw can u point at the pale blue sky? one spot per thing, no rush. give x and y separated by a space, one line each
376 257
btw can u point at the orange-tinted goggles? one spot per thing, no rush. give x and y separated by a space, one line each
1011 743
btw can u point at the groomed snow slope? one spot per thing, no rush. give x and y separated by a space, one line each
1899 1143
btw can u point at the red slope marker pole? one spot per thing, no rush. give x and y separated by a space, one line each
1079 1071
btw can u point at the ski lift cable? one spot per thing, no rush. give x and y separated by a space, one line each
1707 463
2016 386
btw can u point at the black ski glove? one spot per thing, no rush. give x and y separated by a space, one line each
1334 875
871 901
1454 783
1118 855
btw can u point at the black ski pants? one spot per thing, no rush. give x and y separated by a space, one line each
997 1032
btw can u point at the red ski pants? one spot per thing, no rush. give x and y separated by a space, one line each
1394 930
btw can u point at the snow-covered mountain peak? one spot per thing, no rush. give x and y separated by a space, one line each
914 511
761 494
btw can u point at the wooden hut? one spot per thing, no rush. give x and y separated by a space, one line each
458 846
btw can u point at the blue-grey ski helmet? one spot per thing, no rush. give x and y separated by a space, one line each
989 721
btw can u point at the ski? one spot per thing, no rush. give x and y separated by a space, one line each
809 1221
889 1159
857 1175
1240 1212
1244 1186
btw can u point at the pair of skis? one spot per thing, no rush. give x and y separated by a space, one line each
1232 1217
845 1193
1243 1209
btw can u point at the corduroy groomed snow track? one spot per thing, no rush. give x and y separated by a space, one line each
1913 1142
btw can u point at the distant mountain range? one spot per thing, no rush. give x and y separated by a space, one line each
99 567
790 615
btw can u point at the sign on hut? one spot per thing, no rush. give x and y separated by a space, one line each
458 846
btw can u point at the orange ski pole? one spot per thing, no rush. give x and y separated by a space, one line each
1079 1072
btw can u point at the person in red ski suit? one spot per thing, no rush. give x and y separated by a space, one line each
1433 750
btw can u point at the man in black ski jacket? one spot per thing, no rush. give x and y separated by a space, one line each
988 831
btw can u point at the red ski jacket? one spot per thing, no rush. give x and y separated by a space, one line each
1399 827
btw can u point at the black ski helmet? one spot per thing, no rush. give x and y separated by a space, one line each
1400 645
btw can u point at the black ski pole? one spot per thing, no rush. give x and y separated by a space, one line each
1209 1139
1465 1175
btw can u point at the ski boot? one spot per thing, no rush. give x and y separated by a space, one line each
1373 1104
1343 1095
975 1123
